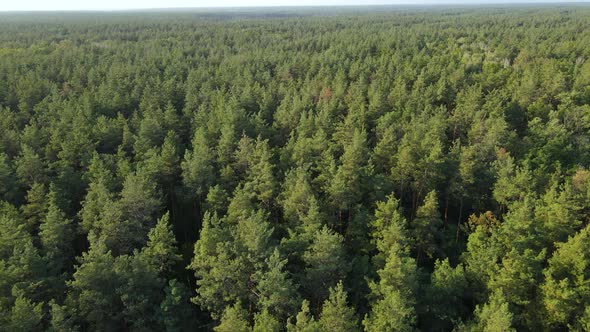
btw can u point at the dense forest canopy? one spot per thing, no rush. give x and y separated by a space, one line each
377 169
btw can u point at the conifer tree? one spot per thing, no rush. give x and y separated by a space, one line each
326 263
25 315
161 251
565 290
426 228
57 235
276 292
198 165
304 322
494 316
336 314
234 319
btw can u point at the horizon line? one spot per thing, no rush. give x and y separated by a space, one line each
506 3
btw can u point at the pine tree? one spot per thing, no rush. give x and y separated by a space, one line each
125 225
93 289
517 278
352 175
30 168
36 208
8 183
216 262
175 312
389 229
97 200
25 315
393 307
296 196
234 319
565 291
63 318
260 179
494 316
426 227
446 295
304 322
336 315
57 235
198 165
326 263
161 251
264 321
276 292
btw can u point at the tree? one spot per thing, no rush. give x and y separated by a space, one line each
98 199
447 295
93 290
426 228
161 251
264 321
336 314
36 208
63 318
419 156
260 178
325 263
351 176
175 312
296 196
277 295
197 166
564 291
234 319
558 213
394 295
170 161
227 258
8 183
517 278
389 230
30 168
215 263
305 322
57 235
25 315
513 183
125 226
494 316
108 292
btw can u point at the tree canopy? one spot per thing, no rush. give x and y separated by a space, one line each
325 169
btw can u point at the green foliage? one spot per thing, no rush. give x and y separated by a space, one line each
426 227
435 161
265 322
234 319
304 321
197 166
175 311
394 295
277 294
336 314
56 234
25 315
326 263
161 251
447 295
565 290
494 316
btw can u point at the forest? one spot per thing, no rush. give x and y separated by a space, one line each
356 169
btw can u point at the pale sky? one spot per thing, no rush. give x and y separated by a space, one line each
10 5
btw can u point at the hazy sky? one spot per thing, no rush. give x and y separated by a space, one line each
6 5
